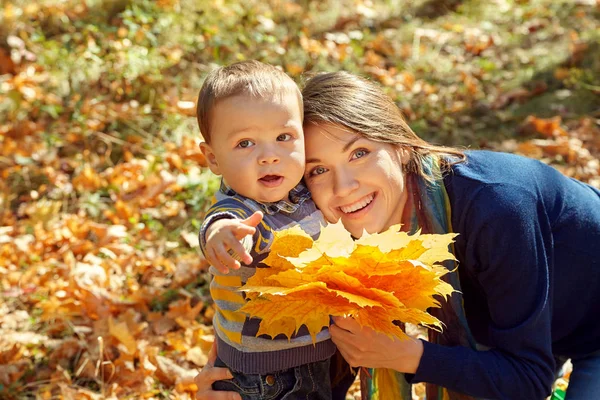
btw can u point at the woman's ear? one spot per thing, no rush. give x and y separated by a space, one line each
404 155
211 159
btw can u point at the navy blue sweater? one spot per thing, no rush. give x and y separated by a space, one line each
529 265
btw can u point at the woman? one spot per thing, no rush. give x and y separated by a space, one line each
527 249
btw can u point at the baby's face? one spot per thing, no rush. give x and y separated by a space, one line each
258 145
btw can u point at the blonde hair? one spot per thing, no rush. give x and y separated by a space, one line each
341 98
252 78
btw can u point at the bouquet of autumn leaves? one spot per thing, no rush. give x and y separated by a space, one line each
377 279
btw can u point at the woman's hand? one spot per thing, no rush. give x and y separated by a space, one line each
210 374
363 347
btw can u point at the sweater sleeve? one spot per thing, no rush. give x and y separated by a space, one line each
509 254
229 208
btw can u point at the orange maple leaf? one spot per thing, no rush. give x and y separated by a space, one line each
378 279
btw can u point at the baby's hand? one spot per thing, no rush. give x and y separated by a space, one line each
223 242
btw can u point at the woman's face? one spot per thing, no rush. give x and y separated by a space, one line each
354 179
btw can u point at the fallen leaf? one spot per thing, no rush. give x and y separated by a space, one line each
169 372
121 332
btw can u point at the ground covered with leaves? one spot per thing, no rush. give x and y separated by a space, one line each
102 187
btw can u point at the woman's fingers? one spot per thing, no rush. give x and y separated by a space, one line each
210 374
342 338
353 356
340 334
348 323
345 351
205 391
212 354
351 339
206 377
344 332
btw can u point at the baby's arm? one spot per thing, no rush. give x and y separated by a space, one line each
223 249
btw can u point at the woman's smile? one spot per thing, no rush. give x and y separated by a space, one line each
358 208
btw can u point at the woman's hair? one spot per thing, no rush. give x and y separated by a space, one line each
341 98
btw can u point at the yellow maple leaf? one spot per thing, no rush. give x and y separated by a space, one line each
308 288
414 287
282 290
379 279
378 319
392 238
381 319
291 278
334 241
287 243
312 310
280 326
343 282
437 248
264 276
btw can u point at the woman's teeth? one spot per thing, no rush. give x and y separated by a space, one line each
358 205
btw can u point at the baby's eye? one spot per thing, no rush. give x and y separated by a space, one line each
317 171
245 143
284 137
359 153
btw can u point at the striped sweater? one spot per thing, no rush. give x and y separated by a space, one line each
235 333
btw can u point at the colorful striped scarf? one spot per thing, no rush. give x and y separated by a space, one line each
427 208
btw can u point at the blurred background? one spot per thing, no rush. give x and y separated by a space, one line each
103 293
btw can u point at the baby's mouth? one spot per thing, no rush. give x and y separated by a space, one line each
271 180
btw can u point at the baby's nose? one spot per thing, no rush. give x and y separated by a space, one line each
268 159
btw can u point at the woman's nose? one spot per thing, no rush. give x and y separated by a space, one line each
345 183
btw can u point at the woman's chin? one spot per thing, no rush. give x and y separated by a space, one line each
355 229
352 225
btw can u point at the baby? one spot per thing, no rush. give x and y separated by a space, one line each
250 115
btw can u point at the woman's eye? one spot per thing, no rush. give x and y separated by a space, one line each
359 153
284 137
317 171
245 143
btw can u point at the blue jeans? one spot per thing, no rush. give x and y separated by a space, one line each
584 383
306 382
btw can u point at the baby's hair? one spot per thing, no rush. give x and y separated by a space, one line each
251 78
